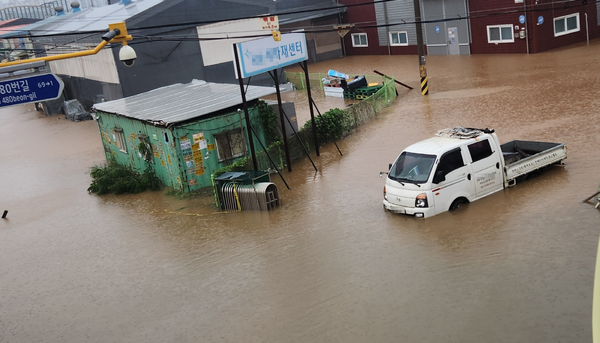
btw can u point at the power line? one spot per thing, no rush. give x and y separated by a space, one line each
363 25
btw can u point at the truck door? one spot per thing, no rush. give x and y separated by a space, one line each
456 180
485 165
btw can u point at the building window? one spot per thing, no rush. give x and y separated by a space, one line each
399 38
566 24
230 144
359 40
120 140
500 33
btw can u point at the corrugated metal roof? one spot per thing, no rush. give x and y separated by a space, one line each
181 102
89 19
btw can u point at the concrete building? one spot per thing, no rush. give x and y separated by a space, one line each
167 42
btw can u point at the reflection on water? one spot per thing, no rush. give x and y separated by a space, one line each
330 264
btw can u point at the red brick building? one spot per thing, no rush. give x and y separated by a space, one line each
469 26
530 25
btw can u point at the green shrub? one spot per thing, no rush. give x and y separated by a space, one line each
268 120
118 179
330 125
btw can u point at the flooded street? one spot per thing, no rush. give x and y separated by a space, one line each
329 265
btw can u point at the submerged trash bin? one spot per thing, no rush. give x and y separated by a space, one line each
247 190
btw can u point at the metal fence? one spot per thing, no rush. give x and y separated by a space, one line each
368 108
316 79
354 116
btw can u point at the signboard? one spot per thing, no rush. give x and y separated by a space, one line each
540 20
261 55
343 29
269 23
522 19
30 89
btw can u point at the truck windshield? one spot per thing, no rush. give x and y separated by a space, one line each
411 167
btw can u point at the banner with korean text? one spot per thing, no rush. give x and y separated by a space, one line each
261 55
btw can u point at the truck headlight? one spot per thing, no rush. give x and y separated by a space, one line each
384 193
421 200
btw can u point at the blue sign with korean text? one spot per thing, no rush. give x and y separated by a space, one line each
437 29
540 20
522 19
30 89
261 55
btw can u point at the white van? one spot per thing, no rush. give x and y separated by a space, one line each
458 166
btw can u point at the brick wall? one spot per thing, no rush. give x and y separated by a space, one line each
481 17
366 15
541 37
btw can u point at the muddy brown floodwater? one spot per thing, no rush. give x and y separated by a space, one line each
329 265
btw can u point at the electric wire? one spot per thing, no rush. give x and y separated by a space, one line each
537 8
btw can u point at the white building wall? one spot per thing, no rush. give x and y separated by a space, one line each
221 51
100 67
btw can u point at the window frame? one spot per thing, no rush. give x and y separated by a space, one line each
398 32
228 135
566 31
120 140
360 45
501 41
462 158
478 156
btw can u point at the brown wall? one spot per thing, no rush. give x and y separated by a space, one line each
541 37
365 15
479 40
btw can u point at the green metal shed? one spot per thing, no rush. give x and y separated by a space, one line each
188 130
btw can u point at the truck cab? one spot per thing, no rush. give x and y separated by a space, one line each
443 172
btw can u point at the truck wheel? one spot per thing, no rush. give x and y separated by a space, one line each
457 203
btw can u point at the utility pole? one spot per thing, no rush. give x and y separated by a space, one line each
421 49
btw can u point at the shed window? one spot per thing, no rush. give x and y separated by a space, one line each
230 144
360 40
480 150
500 33
566 24
398 38
120 140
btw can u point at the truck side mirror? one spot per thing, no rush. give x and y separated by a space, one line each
440 176
390 167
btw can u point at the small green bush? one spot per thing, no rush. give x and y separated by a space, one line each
118 179
268 120
330 125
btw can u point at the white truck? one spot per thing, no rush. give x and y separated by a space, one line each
458 166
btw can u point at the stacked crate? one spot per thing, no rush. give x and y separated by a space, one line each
361 93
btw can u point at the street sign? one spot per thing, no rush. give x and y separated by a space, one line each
30 89
261 55
269 23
